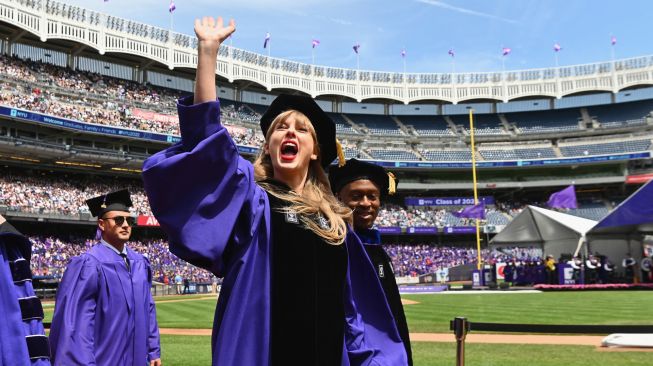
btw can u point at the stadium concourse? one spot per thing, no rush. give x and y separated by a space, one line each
76 123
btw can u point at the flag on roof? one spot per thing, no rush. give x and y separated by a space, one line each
267 39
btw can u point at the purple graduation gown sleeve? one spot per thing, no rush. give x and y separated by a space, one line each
371 334
71 335
204 196
15 251
202 191
13 349
153 342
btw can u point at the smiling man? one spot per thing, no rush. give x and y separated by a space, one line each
361 186
104 313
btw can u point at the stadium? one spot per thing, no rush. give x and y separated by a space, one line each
86 97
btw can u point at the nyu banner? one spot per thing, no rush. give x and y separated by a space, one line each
86 127
460 230
422 230
446 201
389 230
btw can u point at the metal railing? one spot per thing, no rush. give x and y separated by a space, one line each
461 327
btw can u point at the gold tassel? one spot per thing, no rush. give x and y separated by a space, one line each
341 155
392 184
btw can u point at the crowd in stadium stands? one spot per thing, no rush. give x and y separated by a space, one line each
51 255
395 215
415 260
99 99
55 194
15 68
89 83
64 194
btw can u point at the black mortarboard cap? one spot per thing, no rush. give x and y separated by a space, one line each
325 129
114 201
356 170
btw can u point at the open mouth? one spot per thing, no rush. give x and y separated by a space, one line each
289 150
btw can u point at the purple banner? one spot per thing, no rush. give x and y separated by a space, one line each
422 230
460 230
446 201
389 230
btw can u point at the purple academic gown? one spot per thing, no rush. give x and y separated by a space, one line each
103 314
22 337
204 195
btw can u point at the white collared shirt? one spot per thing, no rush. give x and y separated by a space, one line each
124 248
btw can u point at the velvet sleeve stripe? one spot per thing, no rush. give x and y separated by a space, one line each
20 271
30 308
38 346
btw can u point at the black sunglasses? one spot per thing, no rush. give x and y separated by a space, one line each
119 220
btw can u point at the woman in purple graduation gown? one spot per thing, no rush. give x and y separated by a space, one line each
298 289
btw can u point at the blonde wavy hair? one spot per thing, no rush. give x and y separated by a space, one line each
316 198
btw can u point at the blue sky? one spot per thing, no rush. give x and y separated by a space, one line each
427 29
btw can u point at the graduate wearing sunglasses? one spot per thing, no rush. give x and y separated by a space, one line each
104 313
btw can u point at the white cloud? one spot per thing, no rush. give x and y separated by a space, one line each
458 9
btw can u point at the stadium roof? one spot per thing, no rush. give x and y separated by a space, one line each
634 215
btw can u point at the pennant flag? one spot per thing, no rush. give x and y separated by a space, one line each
452 53
564 199
356 47
403 53
506 51
315 43
613 40
472 212
172 7
556 47
267 39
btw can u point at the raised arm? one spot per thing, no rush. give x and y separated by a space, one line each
201 190
210 35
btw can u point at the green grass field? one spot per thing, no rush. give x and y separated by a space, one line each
433 313
196 351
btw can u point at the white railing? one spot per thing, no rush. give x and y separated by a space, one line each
50 19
